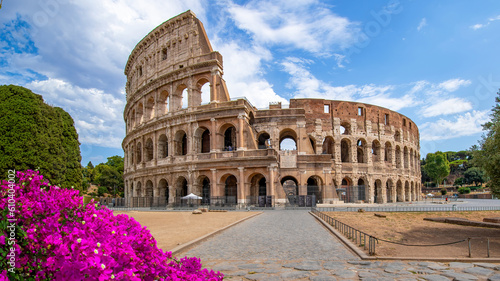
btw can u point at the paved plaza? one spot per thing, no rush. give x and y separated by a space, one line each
292 245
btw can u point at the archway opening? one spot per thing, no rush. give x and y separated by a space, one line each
314 189
264 141
205 191
345 155
149 149
231 190
230 139
162 146
205 141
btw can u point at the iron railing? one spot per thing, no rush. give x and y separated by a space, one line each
357 236
452 208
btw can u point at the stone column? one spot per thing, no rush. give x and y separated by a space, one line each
214 95
214 188
241 139
241 186
213 136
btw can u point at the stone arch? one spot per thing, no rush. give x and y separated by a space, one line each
314 187
378 192
149 191
258 185
150 108
312 141
229 137
412 159
149 149
398 157
329 146
132 154
376 151
230 188
204 190
345 128
361 154
397 136
202 140
390 191
180 143
412 191
163 102
133 118
163 189
162 146
288 134
138 153
362 192
263 140
290 185
251 118
400 195
139 114
388 152
181 188
407 191
345 150
178 98
200 96
405 157
138 191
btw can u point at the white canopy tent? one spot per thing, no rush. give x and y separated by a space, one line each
191 196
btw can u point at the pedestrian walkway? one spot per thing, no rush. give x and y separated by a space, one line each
292 245
274 235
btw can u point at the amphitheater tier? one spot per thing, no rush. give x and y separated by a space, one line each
229 152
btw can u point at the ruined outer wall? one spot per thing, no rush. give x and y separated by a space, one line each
228 147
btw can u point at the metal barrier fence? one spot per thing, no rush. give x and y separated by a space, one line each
355 235
260 201
452 208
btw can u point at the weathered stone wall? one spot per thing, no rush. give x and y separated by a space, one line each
229 148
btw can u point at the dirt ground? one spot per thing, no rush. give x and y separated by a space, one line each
171 229
410 228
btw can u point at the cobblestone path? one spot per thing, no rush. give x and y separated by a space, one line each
292 245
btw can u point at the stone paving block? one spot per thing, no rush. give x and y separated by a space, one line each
485 265
257 276
435 277
322 278
236 273
225 267
345 273
479 271
460 265
250 266
495 277
308 266
457 276
295 275
333 265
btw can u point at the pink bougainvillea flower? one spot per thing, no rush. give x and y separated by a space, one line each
63 239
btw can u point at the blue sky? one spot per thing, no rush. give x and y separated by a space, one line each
433 61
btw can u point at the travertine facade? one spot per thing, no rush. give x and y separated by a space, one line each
229 148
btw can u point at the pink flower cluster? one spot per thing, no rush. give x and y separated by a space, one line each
60 238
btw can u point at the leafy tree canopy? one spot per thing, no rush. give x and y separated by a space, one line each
35 135
437 166
475 175
488 157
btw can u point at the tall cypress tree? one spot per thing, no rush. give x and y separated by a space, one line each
35 135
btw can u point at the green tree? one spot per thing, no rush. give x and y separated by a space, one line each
474 175
488 157
34 135
110 174
459 182
444 191
437 166
463 190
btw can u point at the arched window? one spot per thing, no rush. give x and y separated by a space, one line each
360 149
205 141
398 157
264 141
149 189
180 143
388 152
230 139
345 151
139 153
329 146
149 150
162 146
376 151
150 108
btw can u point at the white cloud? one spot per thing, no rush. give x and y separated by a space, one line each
98 116
422 24
304 25
244 73
463 125
446 107
453 84
306 85
480 25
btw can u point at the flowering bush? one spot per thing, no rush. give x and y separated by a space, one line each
52 235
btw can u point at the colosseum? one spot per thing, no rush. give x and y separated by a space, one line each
184 134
